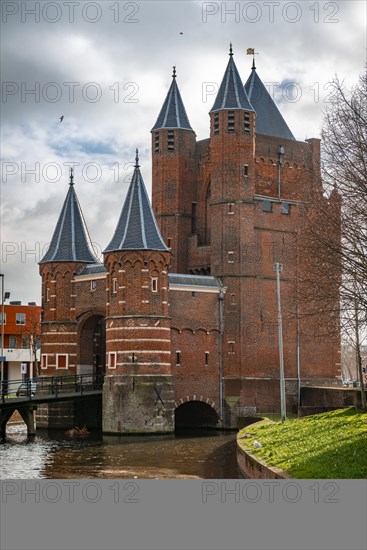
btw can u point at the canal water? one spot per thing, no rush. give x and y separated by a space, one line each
55 455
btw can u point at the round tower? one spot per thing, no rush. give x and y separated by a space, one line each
69 251
138 388
173 176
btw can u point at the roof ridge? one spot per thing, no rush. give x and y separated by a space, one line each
269 120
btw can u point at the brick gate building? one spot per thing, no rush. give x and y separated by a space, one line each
181 316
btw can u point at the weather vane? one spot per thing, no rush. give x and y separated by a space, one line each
251 51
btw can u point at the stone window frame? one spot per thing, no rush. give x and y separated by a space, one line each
154 284
114 362
114 285
58 355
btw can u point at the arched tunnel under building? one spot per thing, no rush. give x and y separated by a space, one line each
195 414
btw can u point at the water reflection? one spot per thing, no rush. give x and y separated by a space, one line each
54 455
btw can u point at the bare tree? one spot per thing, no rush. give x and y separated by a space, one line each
335 233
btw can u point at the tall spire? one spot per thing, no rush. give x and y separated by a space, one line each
136 228
173 113
269 120
70 241
231 94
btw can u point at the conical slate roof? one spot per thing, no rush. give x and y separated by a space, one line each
231 94
269 121
173 113
70 241
136 228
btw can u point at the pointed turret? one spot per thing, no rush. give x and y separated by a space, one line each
70 249
138 345
173 113
174 175
269 121
136 228
70 241
231 94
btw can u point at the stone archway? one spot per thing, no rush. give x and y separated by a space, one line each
92 345
196 414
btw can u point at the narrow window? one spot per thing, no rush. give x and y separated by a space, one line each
230 257
25 342
12 342
178 358
2 318
230 208
216 123
114 285
62 360
285 209
207 359
20 318
231 348
193 218
44 361
247 123
93 286
267 206
154 284
156 142
112 359
169 240
245 170
171 140
133 358
193 293
230 127
233 299
47 294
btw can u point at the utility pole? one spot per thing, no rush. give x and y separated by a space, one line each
278 268
4 296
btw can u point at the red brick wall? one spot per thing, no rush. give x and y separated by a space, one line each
174 191
137 317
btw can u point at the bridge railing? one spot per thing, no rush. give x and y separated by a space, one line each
45 386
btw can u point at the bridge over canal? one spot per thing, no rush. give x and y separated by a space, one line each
25 395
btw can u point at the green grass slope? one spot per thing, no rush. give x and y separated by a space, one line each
331 445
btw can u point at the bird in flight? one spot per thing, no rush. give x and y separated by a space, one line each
61 118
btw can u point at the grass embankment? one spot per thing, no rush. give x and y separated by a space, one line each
331 445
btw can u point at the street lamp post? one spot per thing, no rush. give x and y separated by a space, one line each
278 268
4 296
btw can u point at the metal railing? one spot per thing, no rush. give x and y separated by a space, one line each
50 386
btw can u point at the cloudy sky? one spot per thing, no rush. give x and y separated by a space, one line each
106 67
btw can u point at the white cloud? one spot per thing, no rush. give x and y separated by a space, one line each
131 62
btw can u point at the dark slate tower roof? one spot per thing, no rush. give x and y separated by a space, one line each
173 113
269 121
231 94
136 228
70 241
